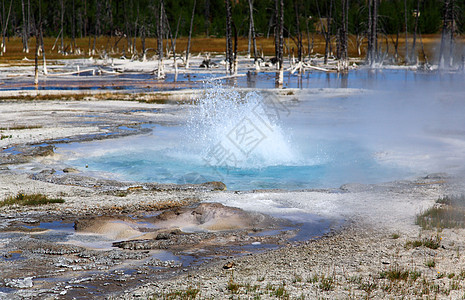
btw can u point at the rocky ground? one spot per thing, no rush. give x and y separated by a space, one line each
373 254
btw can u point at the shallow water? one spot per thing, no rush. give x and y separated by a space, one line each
407 124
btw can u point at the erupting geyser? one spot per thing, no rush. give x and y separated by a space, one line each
230 129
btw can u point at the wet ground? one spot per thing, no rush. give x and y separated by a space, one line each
68 256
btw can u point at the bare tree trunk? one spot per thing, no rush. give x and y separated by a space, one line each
451 32
414 54
344 35
330 24
188 50
5 27
252 27
28 28
249 40
142 37
97 26
280 14
443 34
406 32
298 32
372 53
24 31
160 33
375 30
229 50
73 28
323 31
309 46
423 50
62 49
43 51
370 33
276 31
134 50
36 61
173 42
328 33
235 48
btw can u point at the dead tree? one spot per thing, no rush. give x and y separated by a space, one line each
73 28
142 38
160 32
96 28
62 48
190 35
447 29
344 55
372 51
28 28
36 62
415 30
4 29
406 32
375 28
172 39
326 29
252 29
229 46
24 31
298 33
280 40
133 48
234 56
309 45
43 50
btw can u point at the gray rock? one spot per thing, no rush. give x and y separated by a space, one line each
70 170
23 283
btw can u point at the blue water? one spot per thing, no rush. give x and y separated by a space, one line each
403 124
154 159
140 82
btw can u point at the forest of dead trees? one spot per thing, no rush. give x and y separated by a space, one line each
374 25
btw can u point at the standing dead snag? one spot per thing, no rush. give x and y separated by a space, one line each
279 4
43 50
229 49
326 29
447 28
62 48
417 15
5 26
252 27
344 55
24 31
160 32
190 35
298 35
372 51
406 32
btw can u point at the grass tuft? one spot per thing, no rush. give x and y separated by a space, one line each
189 294
29 200
394 274
431 242
327 283
448 213
430 263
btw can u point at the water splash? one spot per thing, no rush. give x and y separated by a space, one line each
235 129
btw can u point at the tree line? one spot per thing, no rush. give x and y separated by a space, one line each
128 20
